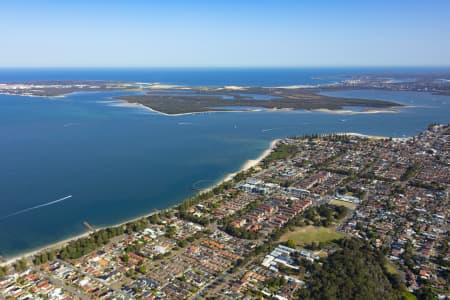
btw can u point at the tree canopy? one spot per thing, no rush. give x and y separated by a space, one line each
357 271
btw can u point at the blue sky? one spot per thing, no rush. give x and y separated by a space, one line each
242 33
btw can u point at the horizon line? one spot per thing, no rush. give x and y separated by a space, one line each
227 67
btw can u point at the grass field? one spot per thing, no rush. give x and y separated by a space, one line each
409 296
309 234
391 268
343 203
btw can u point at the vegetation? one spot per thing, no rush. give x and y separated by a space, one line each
239 232
200 197
310 234
242 175
208 100
390 268
408 296
77 248
274 283
3 271
349 205
20 265
324 215
192 218
282 151
195 200
141 269
357 271
410 172
425 293
427 185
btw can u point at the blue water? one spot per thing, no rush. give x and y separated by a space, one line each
260 97
119 162
208 76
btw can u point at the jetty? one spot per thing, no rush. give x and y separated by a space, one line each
88 226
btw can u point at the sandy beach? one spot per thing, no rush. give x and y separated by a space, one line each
253 162
351 112
246 166
50 247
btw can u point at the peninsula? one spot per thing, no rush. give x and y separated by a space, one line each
177 99
204 99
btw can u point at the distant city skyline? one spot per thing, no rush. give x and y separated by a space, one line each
224 33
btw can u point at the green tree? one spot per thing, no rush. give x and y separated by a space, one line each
291 243
354 272
2 271
20 265
141 269
425 293
125 258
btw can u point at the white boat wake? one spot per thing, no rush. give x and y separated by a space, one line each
35 207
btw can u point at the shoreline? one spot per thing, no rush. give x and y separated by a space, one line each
391 110
245 166
142 106
248 164
59 244
49 247
352 112
374 137
252 162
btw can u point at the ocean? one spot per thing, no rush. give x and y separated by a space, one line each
86 158
210 76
